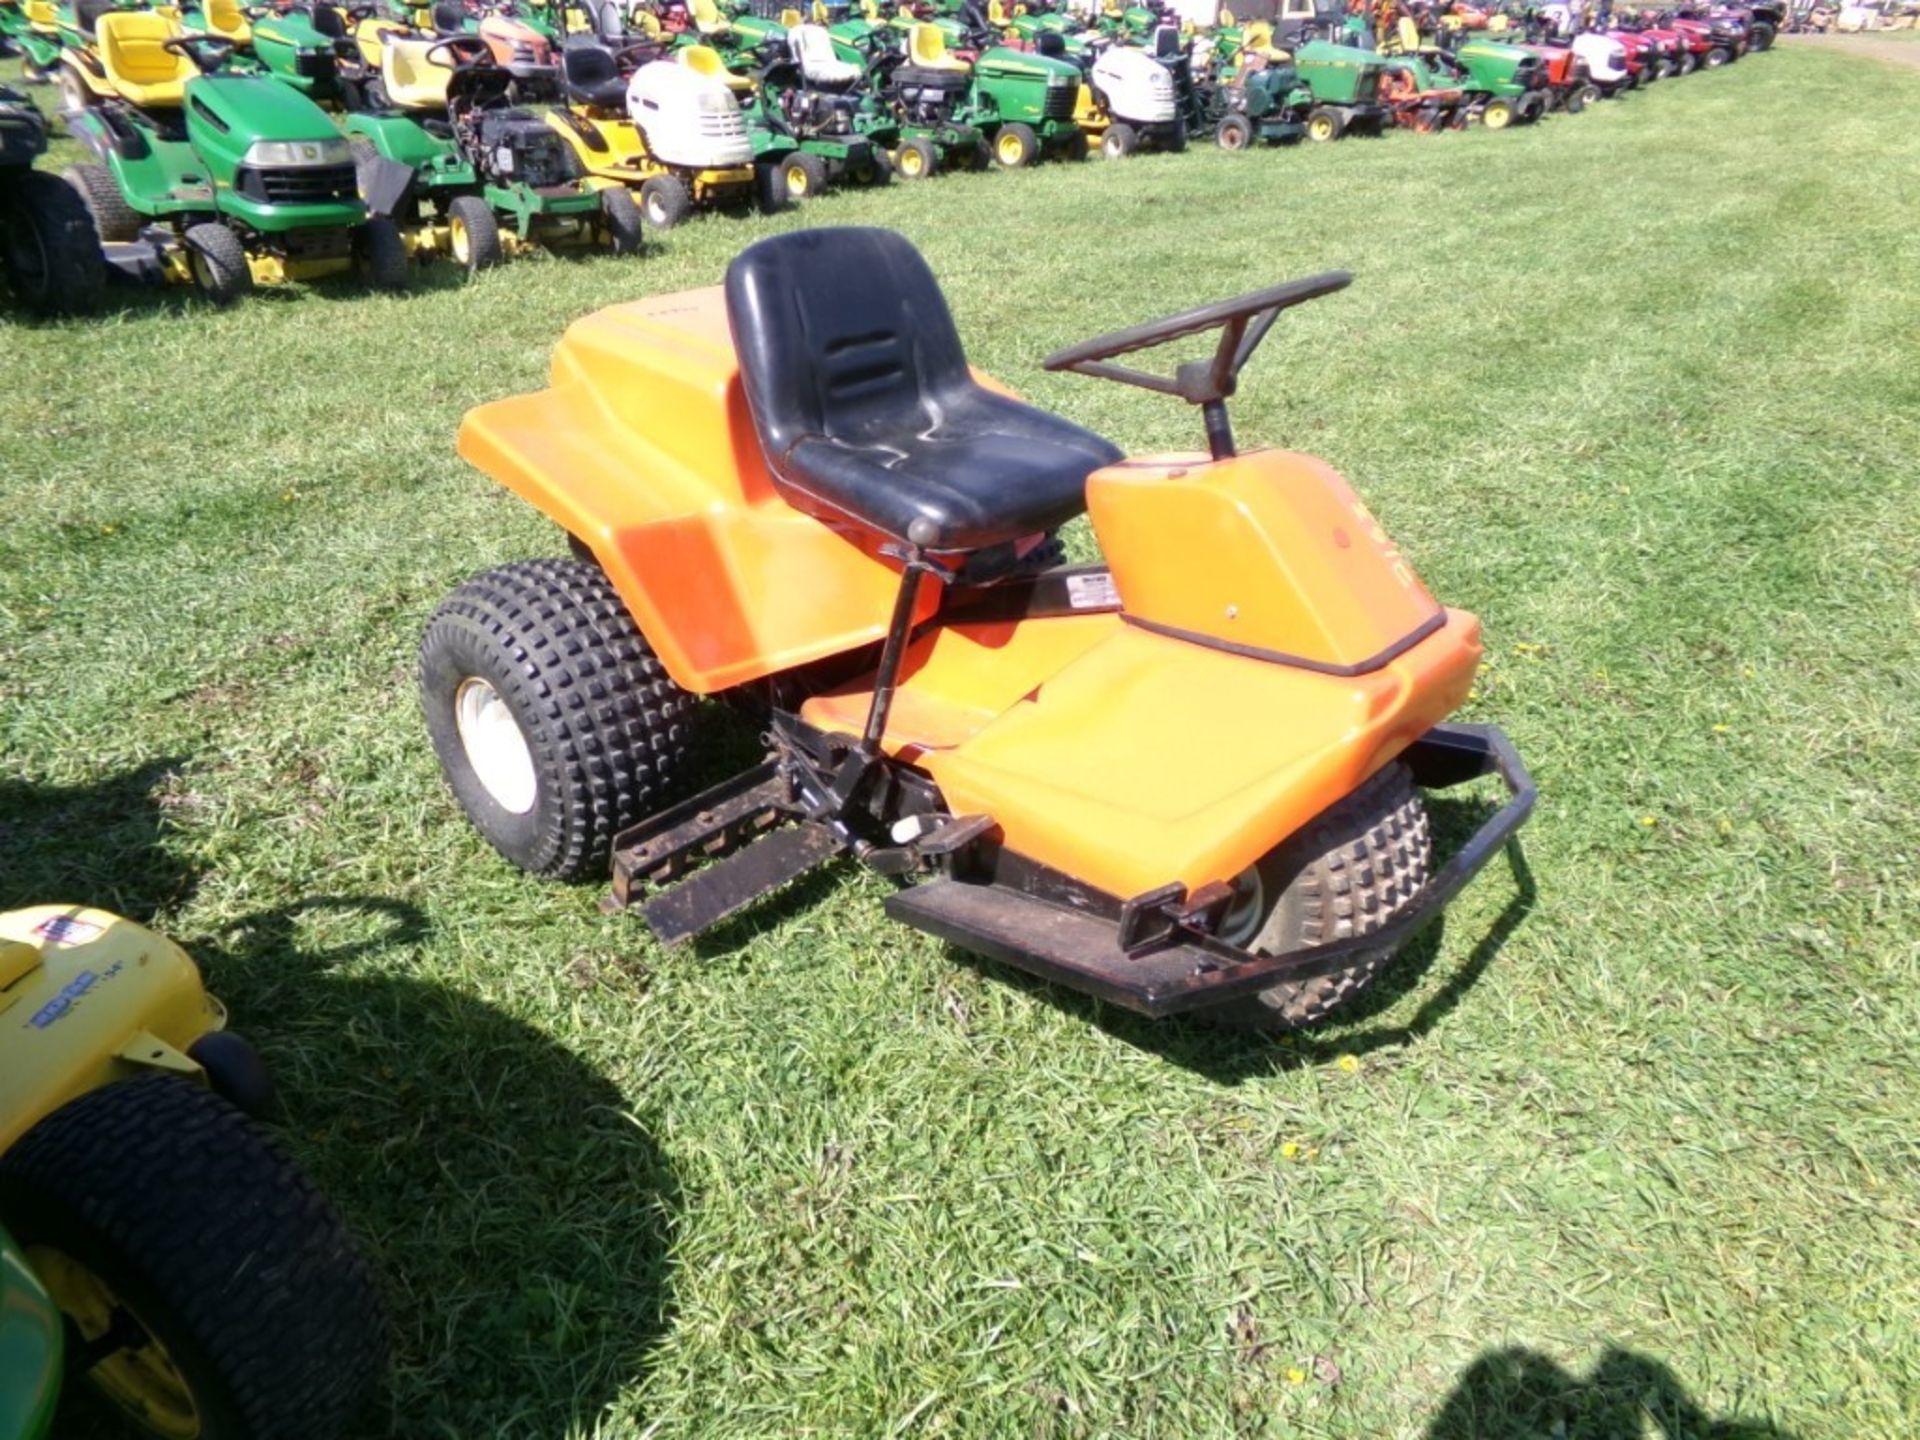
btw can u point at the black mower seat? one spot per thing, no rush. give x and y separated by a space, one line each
866 409
593 77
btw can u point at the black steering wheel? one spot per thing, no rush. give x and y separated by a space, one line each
463 51
1244 320
1243 323
207 52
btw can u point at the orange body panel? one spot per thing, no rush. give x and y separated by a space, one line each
1119 754
1145 759
1287 559
643 448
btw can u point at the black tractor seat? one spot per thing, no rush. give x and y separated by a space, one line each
865 407
593 77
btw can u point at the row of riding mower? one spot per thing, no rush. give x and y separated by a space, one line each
224 179
793 496
1252 89
156 1243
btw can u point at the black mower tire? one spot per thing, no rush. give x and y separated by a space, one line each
665 201
1689 63
1077 147
217 1246
1585 95
916 159
1120 141
219 263
1760 37
606 728
1015 146
620 218
1348 872
1324 123
113 219
872 172
770 189
1234 132
476 220
382 253
51 252
804 174
1176 141
1719 55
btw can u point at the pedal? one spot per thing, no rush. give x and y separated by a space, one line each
713 823
726 886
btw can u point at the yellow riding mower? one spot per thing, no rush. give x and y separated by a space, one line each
150 1232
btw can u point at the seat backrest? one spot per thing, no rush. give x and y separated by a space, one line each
587 66
130 53
705 59
813 47
929 46
412 81
449 16
790 17
225 17
840 332
707 17
328 21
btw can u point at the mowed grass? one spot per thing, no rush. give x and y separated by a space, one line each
1628 1147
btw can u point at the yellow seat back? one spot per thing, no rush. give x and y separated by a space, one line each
821 15
40 14
1407 33
137 68
708 20
650 25
226 19
1226 16
929 49
790 18
869 11
707 61
412 81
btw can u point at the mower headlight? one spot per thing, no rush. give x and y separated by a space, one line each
1061 82
281 154
716 102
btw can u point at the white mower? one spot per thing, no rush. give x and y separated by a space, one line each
1605 59
1134 103
689 119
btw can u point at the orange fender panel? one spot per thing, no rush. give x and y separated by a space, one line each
1148 759
1275 553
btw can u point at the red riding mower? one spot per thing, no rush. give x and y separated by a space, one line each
1186 780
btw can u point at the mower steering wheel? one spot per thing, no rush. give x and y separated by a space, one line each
464 51
192 45
1243 323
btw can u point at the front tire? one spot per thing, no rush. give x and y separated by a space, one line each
51 252
1234 132
179 1239
1498 115
218 262
1347 873
1120 141
804 174
665 201
916 159
473 234
555 724
1325 123
384 261
1015 146
625 226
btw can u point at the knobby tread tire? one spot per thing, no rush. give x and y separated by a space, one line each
1348 872
208 1231
608 728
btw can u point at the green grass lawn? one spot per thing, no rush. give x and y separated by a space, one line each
1628 1148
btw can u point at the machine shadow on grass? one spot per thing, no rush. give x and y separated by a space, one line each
99 844
1520 1394
519 1212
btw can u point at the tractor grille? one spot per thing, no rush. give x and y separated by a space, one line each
1060 102
303 185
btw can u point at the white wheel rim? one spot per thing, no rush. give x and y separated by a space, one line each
495 745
